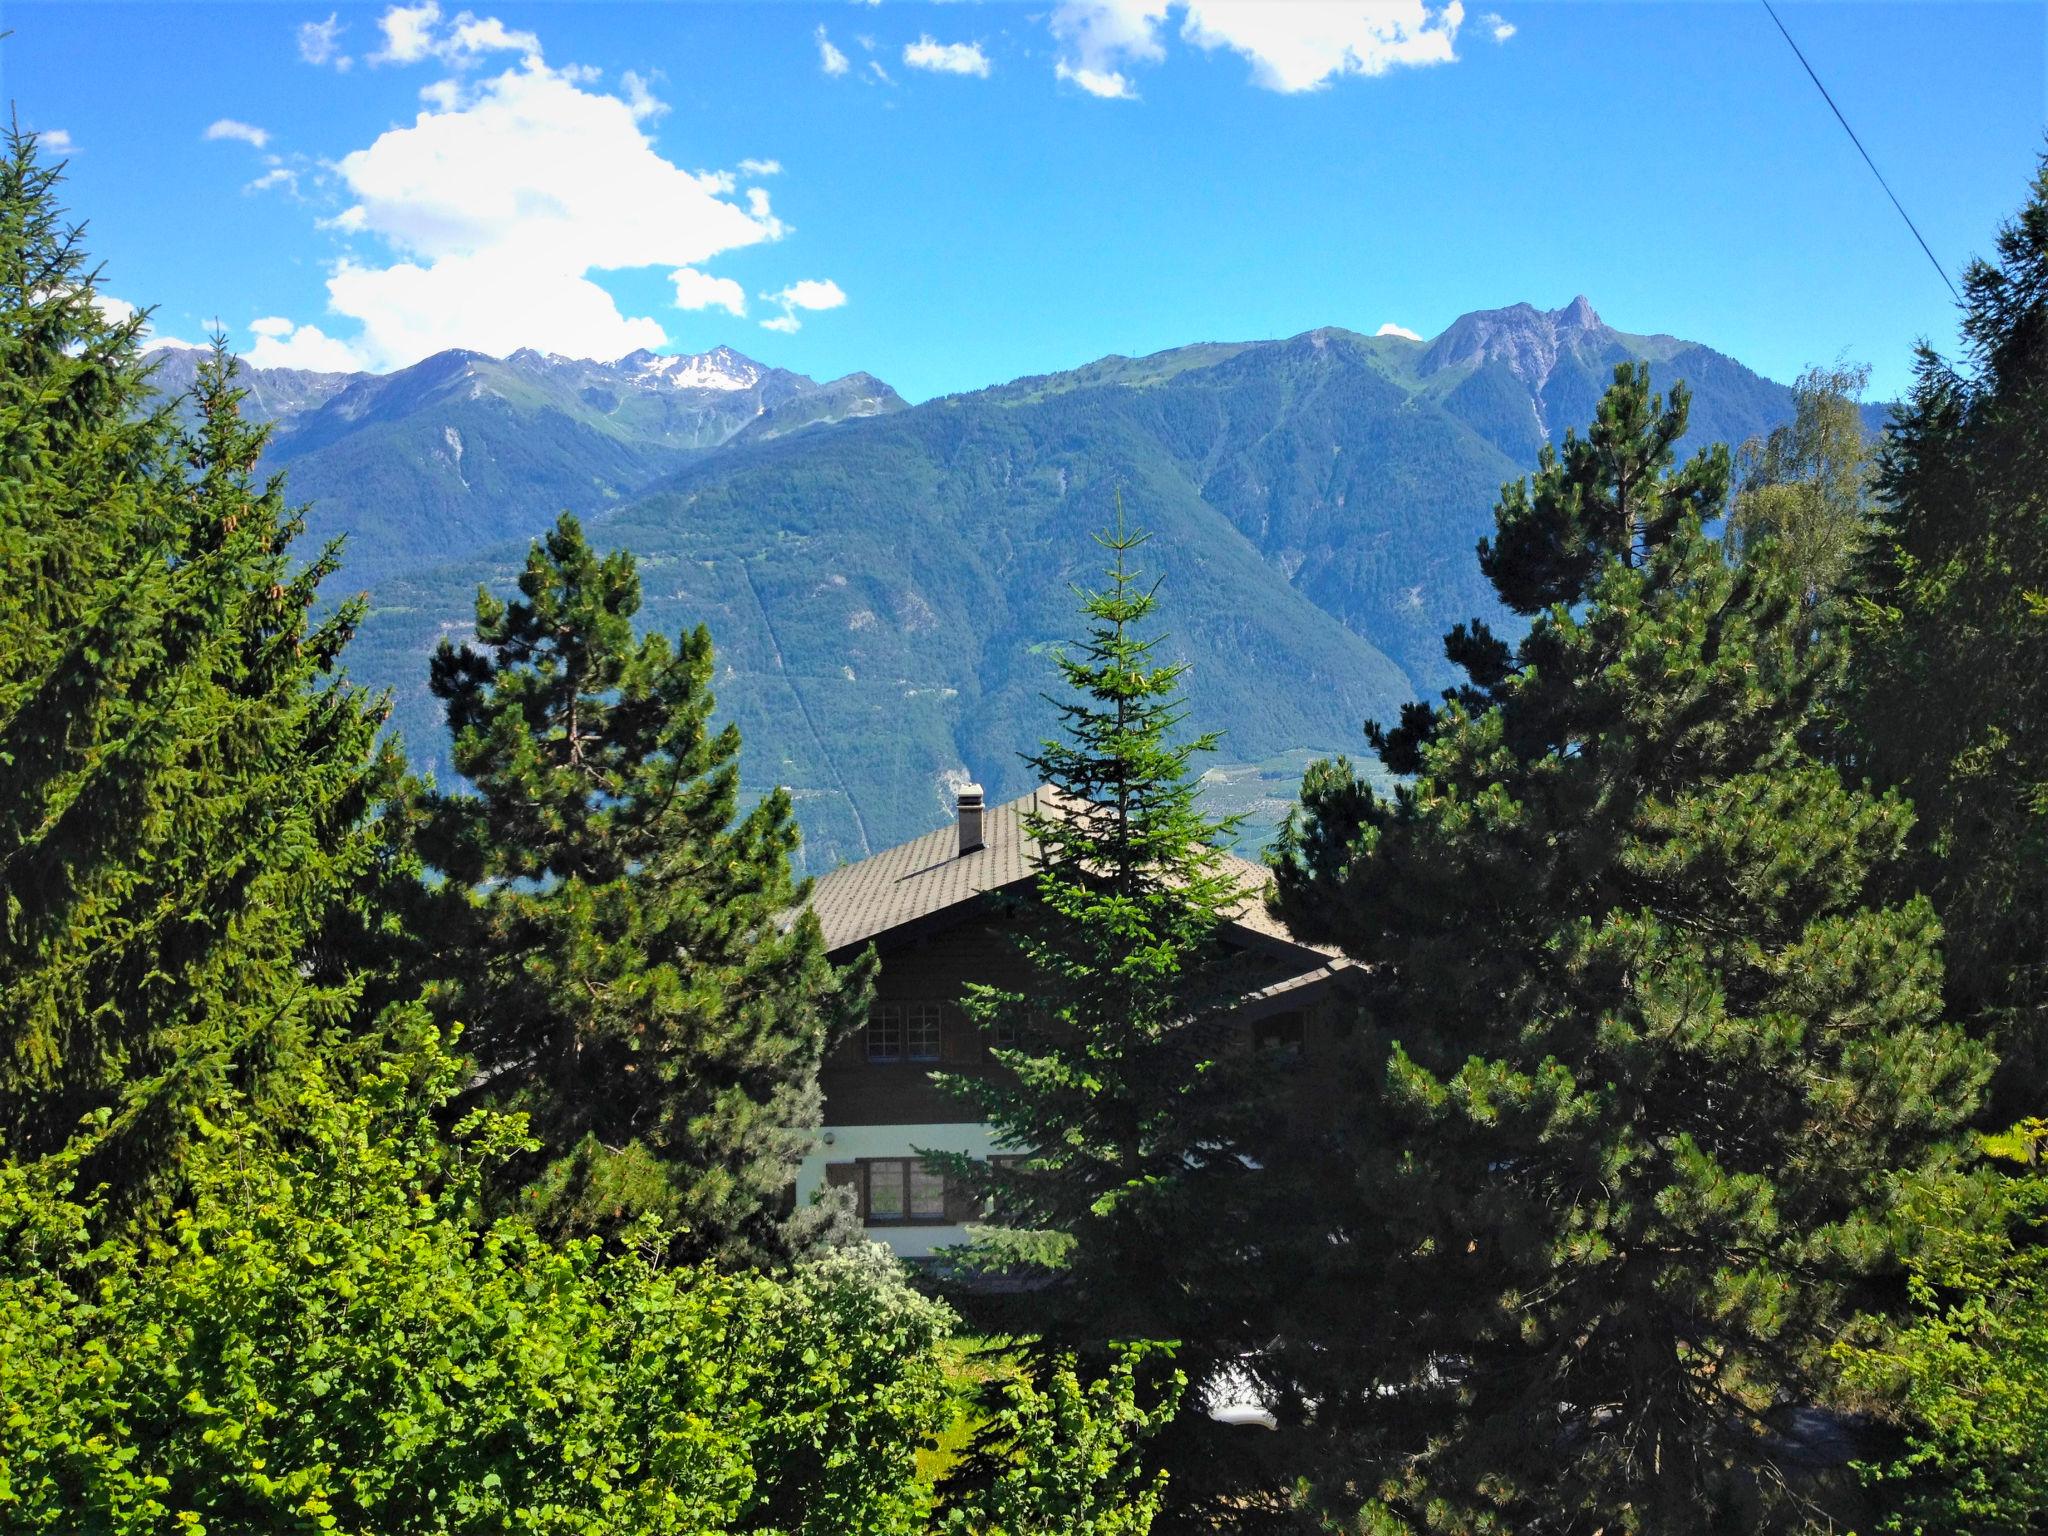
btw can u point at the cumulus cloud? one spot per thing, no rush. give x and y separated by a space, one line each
1501 28
277 176
498 209
120 312
1391 329
640 97
830 59
490 221
700 290
811 293
320 42
1292 45
55 141
246 133
1097 38
281 344
946 58
760 167
414 33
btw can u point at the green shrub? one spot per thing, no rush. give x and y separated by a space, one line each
328 1341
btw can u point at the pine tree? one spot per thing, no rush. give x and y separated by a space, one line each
183 777
1118 1086
1949 691
1643 1060
614 935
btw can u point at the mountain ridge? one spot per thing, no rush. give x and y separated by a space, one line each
886 588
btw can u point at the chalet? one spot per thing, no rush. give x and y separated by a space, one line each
937 909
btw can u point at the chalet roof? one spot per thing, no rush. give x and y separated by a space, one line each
927 875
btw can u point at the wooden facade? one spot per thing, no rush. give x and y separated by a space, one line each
940 916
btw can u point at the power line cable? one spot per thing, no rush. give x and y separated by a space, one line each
1888 192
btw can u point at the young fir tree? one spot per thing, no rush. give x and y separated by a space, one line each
1119 1083
1949 690
1646 1062
182 777
616 936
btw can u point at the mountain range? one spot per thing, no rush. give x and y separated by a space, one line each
886 583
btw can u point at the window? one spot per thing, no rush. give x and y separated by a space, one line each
902 1191
1002 1033
904 1031
885 1032
921 1031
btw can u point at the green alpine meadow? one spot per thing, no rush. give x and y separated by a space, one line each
1438 930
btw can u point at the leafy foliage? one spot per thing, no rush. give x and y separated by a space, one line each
614 927
1071 1458
1643 1057
1969 1372
1806 486
324 1340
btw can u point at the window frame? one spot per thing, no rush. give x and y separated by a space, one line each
905 1171
884 1020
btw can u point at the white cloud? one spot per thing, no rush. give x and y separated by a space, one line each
1097 38
760 167
120 311
280 344
320 42
810 293
1293 45
1501 28
830 59
640 98
55 141
1111 85
246 133
277 176
1299 45
946 58
498 209
413 33
1391 329
700 290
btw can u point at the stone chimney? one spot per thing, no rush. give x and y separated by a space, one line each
970 818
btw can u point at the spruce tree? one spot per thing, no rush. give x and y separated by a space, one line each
614 935
1124 1213
1949 690
183 776
1644 1060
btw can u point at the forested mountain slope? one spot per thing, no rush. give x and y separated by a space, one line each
884 584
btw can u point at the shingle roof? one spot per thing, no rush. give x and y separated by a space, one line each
925 876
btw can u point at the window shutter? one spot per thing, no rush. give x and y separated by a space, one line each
847 1176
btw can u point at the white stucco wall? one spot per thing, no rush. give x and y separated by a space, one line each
847 1143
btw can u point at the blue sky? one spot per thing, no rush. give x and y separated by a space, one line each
956 194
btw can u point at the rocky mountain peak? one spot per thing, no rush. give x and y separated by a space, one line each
1524 338
721 368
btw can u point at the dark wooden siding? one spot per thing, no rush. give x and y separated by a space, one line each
937 966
